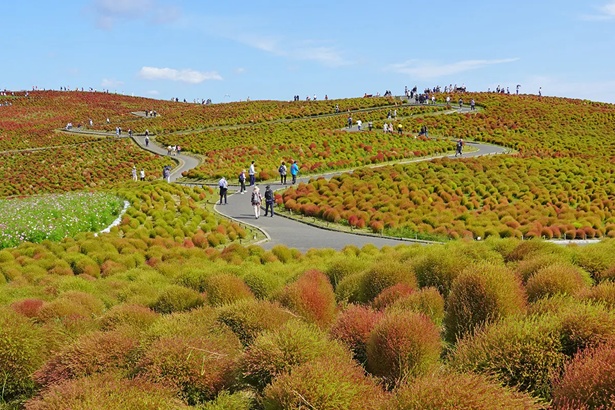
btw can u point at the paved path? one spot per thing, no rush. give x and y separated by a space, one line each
295 234
291 232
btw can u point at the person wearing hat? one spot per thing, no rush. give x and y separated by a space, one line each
268 200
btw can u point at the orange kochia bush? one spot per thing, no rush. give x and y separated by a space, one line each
497 196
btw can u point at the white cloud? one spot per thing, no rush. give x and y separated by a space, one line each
430 69
108 12
111 83
604 12
185 75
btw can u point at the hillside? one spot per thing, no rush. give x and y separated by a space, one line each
175 307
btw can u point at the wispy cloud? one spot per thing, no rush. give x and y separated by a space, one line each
430 69
111 83
604 12
184 75
299 50
108 12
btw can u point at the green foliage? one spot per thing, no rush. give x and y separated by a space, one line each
230 401
281 350
402 345
175 298
427 301
333 383
248 318
519 352
223 288
22 350
130 315
458 391
199 367
557 278
384 274
107 391
481 294
95 352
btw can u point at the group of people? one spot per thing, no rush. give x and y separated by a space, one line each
171 149
141 174
256 198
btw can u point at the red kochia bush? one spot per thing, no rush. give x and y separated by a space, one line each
402 345
588 381
312 297
27 307
353 327
391 294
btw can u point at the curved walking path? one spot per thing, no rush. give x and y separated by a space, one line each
296 234
291 232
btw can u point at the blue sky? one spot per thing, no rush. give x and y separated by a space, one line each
230 51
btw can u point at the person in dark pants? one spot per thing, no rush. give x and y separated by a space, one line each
282 170
294 170
223 189
252 174
268 200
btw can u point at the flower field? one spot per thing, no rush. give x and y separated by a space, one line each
175 308
55 217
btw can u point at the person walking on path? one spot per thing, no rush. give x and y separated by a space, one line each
252 174
294 170
282 170
459 150
134 173
242 182
146 140
359 123
269 200
256 201
223 189
349 121
142 174
166 173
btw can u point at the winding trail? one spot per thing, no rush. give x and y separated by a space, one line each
280 230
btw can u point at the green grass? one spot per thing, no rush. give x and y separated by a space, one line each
54 217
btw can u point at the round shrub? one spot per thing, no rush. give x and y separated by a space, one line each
391 294
277 351
584 325
459 391
248 318
199 367
604 292
135 316
344 265
438 268
107 391
597 259
588 381
353 327
94 352
402 345
311 297
262 283
481 294
555 279
386 273
175 298
22 351
427 301
324 383
230 401
526 268
27 307
224 288
350 289
519 352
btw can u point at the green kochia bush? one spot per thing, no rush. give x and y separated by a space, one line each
22 351
427 301
281 350
249 317
177 298
107 391
520 352
403 345
458 391
558 278
481 294
326 383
